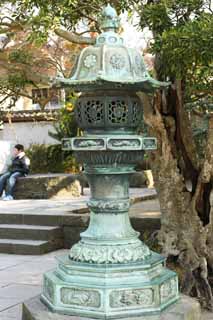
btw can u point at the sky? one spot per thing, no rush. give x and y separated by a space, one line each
134 38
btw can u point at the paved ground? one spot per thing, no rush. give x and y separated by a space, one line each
21 279
21 276
61 206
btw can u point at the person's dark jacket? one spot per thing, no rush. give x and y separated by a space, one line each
21 163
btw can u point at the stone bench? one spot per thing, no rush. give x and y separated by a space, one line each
47 186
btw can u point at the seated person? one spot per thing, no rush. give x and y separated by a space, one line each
19 168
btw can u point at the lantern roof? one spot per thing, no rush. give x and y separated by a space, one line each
109 64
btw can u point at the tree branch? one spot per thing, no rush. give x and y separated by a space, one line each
69 36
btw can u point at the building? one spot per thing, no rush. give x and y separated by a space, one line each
33 114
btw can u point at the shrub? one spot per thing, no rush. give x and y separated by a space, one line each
51 159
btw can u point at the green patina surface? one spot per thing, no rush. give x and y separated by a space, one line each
110 273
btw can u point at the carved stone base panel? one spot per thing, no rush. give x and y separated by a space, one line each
110 292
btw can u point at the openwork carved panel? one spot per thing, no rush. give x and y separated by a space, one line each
118 111
90 112
108 111
94 112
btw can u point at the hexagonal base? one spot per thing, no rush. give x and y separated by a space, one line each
110 291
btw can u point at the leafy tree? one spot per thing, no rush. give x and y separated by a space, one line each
28 61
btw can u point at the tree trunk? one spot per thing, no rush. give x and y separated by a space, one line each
184 186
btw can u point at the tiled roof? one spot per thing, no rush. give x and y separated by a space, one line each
30 115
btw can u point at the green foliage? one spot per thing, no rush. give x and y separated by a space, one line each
45 159
45 16
182 31
187 47
50 159
155 16
65 126
16 81
183 42
160 16
20 56
183 45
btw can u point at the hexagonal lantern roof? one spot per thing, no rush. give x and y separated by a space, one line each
109 64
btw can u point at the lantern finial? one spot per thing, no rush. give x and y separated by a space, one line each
109 19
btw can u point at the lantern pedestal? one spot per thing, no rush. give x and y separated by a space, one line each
110 291
110 273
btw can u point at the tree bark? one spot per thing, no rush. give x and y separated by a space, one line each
184 186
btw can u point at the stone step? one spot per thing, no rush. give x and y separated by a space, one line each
32 232
74 219
29 247
32 219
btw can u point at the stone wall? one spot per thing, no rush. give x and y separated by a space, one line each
49 186
5 154
28 133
